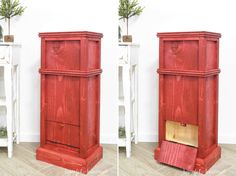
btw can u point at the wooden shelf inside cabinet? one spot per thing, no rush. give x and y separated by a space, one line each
70 99
128 94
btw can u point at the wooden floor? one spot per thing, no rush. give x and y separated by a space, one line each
24 163
142 163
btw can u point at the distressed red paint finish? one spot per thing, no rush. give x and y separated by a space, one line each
70 99
188 89
172 153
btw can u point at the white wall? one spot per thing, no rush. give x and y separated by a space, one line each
185 15
70 15
101 16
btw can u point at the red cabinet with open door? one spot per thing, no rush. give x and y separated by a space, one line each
70 99
188 100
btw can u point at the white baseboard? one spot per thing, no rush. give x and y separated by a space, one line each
147 137
227 139
154 138
108 139
112 139
28 137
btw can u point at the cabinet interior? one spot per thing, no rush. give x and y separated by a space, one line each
182 133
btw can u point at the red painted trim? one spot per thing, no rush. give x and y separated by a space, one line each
76 73
189 34
71 34
194 73
84 104
69 161
202 165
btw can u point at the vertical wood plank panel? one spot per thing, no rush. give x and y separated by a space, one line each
178 155
70 99
188 90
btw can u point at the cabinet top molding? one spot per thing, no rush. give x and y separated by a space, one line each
189 34
71 34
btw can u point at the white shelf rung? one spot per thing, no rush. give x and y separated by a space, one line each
122 142
3 142
121 101
2 101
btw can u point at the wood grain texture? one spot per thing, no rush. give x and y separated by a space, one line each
188 87
23 163
142 163
62 98
178 155
69 161
63 134
70 99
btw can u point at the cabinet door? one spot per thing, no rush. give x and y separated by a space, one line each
180 99
62 98
63 134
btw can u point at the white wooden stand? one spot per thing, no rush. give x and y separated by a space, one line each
9 61
128 94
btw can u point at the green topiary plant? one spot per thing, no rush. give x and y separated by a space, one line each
9 9
128 9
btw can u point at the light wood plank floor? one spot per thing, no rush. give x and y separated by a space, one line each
24 163
142 163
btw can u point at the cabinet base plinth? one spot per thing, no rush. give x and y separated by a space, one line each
202 165
68 161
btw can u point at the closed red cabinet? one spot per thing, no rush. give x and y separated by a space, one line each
70 99
188 99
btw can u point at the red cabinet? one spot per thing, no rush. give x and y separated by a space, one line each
188 99
70 99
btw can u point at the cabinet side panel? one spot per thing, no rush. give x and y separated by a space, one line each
181 99
93 105
208 116
211 115
93 54
211 55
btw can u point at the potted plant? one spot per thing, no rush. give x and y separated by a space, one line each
128 9
9 9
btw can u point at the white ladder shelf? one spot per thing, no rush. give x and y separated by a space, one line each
9 99
128 94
